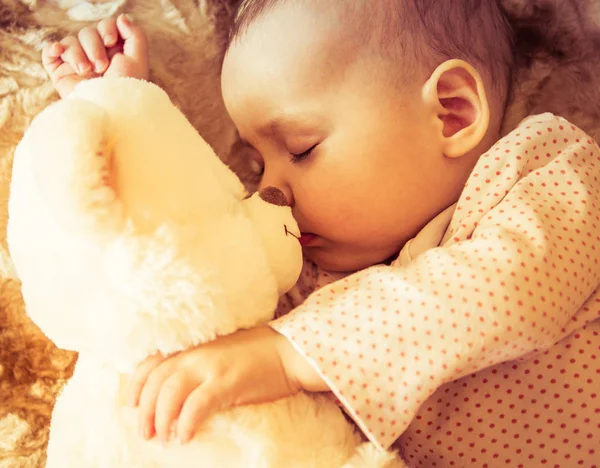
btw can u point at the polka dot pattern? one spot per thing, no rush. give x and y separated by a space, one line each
512 284
540 411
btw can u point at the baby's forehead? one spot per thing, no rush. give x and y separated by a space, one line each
328 37
406 32
294 34
296 21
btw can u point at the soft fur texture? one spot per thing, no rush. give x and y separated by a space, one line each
559 60
151 244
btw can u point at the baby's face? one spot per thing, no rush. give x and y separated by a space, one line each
352 156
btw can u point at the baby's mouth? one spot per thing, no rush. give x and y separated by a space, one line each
306 238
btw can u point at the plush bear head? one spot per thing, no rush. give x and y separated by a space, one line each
130 236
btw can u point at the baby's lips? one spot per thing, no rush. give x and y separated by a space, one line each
306 238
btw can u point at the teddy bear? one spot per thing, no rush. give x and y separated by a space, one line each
131 237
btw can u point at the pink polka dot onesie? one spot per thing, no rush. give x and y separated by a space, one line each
479 346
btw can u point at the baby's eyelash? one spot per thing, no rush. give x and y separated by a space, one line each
296 158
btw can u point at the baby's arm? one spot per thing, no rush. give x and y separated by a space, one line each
176 393
519 265
112 48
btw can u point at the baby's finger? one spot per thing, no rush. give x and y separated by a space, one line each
51 57
75 56
149 396
200 404
93 46
139 377
107 28
135 42
172 395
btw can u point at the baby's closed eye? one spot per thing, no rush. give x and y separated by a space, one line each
301 156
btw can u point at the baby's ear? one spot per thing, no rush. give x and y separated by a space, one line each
456 93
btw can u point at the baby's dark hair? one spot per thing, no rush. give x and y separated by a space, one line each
428 31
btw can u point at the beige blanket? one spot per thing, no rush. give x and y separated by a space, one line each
559 65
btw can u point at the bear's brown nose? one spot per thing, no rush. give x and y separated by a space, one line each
274 196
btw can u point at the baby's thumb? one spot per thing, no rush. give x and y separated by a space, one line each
135 43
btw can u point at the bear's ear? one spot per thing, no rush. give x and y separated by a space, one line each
71 161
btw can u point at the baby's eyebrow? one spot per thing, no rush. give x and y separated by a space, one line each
271 127
275 125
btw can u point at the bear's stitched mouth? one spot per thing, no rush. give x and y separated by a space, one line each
290 233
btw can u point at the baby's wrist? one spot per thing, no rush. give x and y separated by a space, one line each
300 373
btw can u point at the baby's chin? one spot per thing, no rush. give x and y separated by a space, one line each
340 260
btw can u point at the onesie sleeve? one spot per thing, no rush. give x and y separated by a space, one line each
519 260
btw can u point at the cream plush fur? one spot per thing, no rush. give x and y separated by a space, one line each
558 46
148 244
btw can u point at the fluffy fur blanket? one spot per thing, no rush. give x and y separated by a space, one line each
558 66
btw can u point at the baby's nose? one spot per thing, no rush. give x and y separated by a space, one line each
274 196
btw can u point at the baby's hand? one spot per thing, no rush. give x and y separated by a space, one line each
177 393
112 48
